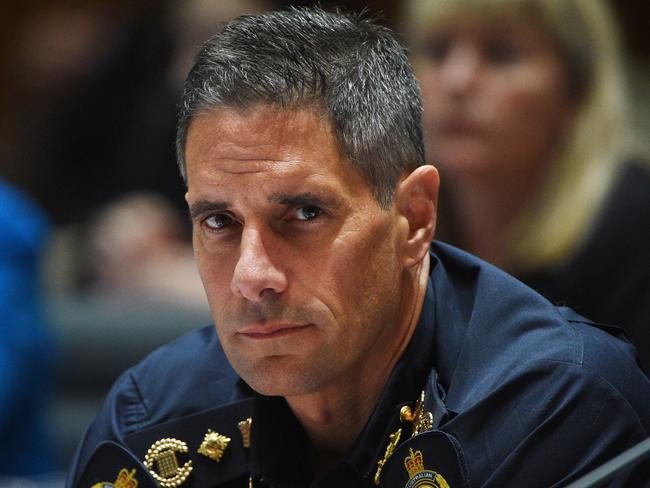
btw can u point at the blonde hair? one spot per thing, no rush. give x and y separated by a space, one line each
558 218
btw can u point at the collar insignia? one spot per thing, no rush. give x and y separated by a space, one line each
393 441
245 429
421 419
214 445
161 462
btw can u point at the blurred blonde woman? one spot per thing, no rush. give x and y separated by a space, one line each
525 116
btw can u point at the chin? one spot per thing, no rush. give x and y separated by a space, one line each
271 377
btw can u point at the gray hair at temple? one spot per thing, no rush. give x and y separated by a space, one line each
346 67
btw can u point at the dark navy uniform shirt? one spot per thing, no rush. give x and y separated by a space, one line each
521 393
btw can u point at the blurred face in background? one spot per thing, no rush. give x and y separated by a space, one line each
495 93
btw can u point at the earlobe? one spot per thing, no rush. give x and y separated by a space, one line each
416 200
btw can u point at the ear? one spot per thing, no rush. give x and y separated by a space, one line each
416 202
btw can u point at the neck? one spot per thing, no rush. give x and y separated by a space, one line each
335 417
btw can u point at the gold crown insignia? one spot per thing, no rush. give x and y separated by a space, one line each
125 479
414 463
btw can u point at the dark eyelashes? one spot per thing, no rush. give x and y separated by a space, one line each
220 221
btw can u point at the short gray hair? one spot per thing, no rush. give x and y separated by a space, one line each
342 65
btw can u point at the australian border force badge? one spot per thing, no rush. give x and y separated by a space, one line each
419 476
432 459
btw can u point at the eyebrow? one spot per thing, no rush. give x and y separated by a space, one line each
288 199
207 206
304 198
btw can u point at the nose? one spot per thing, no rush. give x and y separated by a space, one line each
460 69
256 276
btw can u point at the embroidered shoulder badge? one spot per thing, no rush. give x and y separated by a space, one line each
419 477
125 479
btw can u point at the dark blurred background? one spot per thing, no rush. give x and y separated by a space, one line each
87 90
87 114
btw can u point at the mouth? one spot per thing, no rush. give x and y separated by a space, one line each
271 330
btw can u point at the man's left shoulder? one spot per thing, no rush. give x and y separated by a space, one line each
491 327
606 354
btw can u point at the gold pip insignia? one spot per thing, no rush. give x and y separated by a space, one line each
125 479
419 477
162 455
245 429
420 418
392 444
213 445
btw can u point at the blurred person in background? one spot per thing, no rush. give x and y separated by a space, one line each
137 252
525 116
28 349
26 346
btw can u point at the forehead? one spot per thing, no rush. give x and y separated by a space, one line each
250 127
263 142
262 132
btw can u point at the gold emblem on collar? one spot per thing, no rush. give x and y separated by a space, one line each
245 429
419 477
125 479
214 445
161 462
420 418
392 444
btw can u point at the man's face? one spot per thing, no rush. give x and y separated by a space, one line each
300 264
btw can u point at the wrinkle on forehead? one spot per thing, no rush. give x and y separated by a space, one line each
242 166
255 140
228 170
